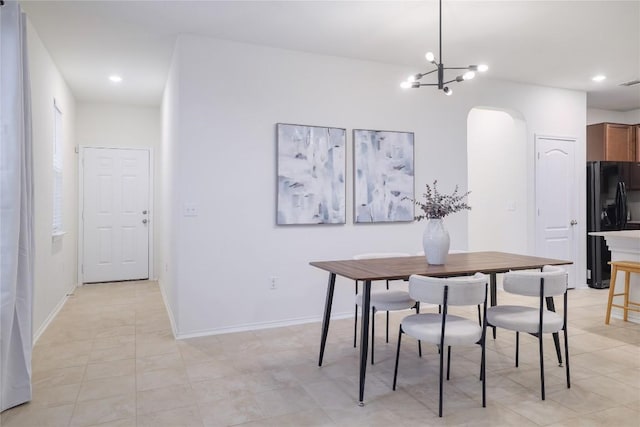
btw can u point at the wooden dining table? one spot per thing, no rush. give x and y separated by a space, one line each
369 270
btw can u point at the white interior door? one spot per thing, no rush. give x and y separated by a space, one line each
115 214
556 200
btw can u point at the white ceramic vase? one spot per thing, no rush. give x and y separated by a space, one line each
435 242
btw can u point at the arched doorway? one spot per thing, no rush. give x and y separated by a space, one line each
497 178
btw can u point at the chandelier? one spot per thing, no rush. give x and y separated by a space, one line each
470 70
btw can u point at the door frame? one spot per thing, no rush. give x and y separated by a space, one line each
81 151
578 261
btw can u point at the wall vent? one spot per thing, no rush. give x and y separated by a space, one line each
630 83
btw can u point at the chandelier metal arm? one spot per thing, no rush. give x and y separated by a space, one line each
428 72
413 81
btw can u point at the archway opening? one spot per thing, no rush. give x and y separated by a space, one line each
497 178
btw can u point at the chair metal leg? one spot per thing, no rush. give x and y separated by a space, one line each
387 327
541 365
448 361
566 356
440 387
493 290
517 347
395 372
419 348
417 307
556 337
483 375
479 316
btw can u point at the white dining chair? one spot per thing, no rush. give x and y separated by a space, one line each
456 251
444 329
550 282
382 299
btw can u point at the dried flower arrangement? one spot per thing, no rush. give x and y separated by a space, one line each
438 205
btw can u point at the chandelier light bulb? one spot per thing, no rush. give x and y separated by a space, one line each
439 76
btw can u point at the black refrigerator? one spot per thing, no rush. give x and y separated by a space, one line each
607 184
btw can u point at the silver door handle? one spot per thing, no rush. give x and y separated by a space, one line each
573 222
144 212
144 221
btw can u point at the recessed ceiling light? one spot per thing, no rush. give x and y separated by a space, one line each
115 78
599 78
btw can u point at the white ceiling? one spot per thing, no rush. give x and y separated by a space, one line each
550 43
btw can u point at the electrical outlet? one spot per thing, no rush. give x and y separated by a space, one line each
190 209
274 283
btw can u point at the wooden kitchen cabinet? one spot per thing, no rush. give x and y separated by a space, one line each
636 134
631 175
612 142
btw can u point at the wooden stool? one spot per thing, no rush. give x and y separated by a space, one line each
628 267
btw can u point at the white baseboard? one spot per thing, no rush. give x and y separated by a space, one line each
580 286
618 313
167 306
53 314
261 325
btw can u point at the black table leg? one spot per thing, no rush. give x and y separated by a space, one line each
327 315
494 296
556 338
364 336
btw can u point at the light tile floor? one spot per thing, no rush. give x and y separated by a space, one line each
109 359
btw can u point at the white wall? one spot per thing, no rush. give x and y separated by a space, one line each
231 95
595 115
126 126
170 154
497 164
55 260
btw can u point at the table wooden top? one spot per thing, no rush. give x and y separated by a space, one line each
457 265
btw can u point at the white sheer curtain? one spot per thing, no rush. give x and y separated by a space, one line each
16 210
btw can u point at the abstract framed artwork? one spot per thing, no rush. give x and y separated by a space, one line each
311 174
384 176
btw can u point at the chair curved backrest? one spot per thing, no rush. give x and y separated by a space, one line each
374 255
527 283
468 290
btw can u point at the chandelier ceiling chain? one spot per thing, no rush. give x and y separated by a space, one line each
414 80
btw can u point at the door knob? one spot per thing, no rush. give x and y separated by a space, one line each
144 221
144 212
573 222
